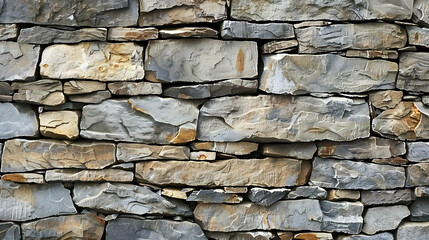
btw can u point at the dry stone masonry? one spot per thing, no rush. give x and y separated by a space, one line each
214 119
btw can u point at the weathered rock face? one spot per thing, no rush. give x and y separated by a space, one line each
104 175
195 32
18 61
279 46
387 197
418 36
59 124
356 175
235 148
83 226
300 74
23 202
312 192
340 195
135 88
95 97
420 210
266 197
385 99
152 229
342 216
46 35
418 174
132 34
24 177
379 236
45 92
412 71
187 60
213 196
99 60
418 151
293 150
17 120
268 172
384 218
421 13
8 31
9 230
20 155
290 10
246 30
260 235
371 54
132 152
148 119
82 87
274 118
421 191
413 230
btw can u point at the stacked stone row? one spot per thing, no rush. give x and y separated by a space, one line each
250 120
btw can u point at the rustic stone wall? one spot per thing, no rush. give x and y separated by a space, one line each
214 119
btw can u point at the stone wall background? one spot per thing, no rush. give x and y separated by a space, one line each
190 119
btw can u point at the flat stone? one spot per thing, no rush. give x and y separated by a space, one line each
82 87
312 192
8 31
59 124
418 36
235 189
132 152
185 60
340 195
18 61
266 197
218 89
123 166
214 196
293 150
247 30
65 106
266 118
368 148
24 177
174 193
186 32
307 73
159 12
344 174
259 235
312 235
418 151
82 226
421 14
418 175
125 198
148 119
371 54
399 196
44 92
420 210
285 235
421 191
342 216
379 219
363 36
267 172
17 120
385 99
135 88
279 46
203 155
425 99
21 155
311 24
379 236
23 202
130 228
235 148
47 35
10 231
74 175
132 34
6 92
94 97
71 13
412 68
124 61
413 230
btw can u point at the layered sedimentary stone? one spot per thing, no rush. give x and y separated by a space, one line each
268 172
148 119
379 219
83 226
18 61
385 99
158 12
313 192
103 175
21 155
235 148
293 150
152 229
337 37
60 124
135 88
420 210
418 151
384 54
247 30
279 118
418 36
412 71
187 60
17 120
194 32
47 35
344 174
10 231
23 202
418 174
279 46
132 152
413 230
266 197
342 216
82 87
125 198
400 196
24 177
94 97
132 34
45 92
368 148
8 31
379 236
214 196
421 12
93 60
308 73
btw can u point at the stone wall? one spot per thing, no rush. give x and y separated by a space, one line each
215 119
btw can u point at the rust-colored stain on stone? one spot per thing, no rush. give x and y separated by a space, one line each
327 150
239 64
14 178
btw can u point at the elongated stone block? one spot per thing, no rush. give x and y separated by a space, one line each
46 35
235 148
93 60
421 13
260 235
82 87
213 196
387 197
103 175
95 97
278 118
148 119
132 34
186 32
293 150
133 152
300 74
412 71
135 88
10 231
266 197
413 230
42 92
17 120
246 30
200 60
418 175
18 61
378 236
24 177
356 175
21 155
267 172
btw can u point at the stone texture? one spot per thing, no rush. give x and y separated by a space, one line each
421 13
421 191
132 34
21 155
23 202
214 196
18 61
312 192
337 37
279 118
59 124
47 35
8 31
24 177
95 97
344 174
308 73
235 189
104 175
293 150
342 216
371 54
368 148
148 119
418 151
82 87
379 236
310 235
399 196
412 71
10 231
259 235
17 120
186 60
186 32
267 172
420 210
385 99
266 197
135 88
45 92
125 198
156 12
379 219
6 92
133 152
418 174
413 230
203 155
291 10
279 46
93 60
83 226
235 148
129 228
418 36
218 89
339 195
247 30
174 193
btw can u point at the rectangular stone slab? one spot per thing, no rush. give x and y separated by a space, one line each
418 175
46 35
17 120
133 152
102 175
247 30
283 118
301 74
413 67
18 61
267 172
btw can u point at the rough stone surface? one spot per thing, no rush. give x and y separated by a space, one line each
342 216
371 54
308 73
18 61
310 235
59 124
82 87
420 210
385 99
247 30
10 231
17 120
187 60
312 192
174 193
418 151
418 175
46 35
135 88
421 13
379 219
186 32
418 36
235 148
400 196
266 197
339 195
24 177
8 31
293 150
132 34
133 152
412 71
6 92
279 46
421 191
99 60
214 196
95 97
259 235
44 92
379 236
104 175
413 230
203 155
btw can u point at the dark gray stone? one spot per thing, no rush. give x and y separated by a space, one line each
17 120
18 61
266 197
246 30
214 196
46 35
418 151
293 150
418 175
400 196
420 210
413 230
10 231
